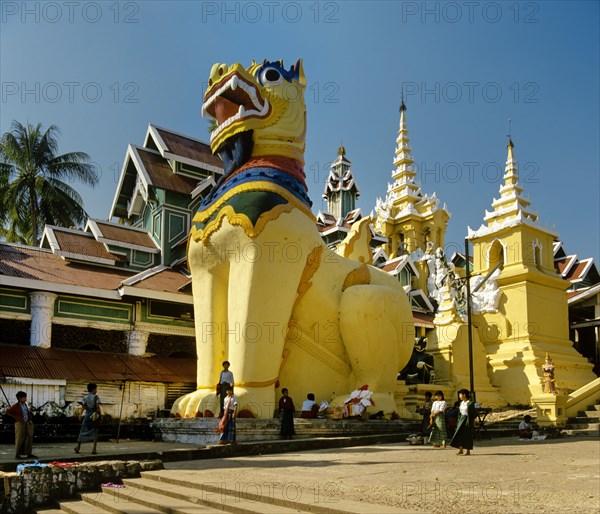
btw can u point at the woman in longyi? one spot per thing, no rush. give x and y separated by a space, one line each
90 426
227 421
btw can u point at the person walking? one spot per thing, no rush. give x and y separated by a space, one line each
23 426
225 381
438 421
287 409
90 427
463 435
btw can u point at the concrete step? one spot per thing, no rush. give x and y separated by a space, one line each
592 413
228 501
119 503
146 501
50 511
276 495
81 507
582 423
582 432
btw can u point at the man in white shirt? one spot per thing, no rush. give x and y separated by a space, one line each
225 381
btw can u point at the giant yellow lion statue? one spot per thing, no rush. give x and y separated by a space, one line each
269 296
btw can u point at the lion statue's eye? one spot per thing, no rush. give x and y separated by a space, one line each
271 77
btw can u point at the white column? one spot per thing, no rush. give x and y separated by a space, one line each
136 342
42 311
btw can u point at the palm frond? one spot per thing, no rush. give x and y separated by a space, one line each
31 190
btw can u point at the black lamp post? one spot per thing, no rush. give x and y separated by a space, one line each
469 325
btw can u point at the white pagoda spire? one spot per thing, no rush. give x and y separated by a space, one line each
511 203
409 219
404 174
511 208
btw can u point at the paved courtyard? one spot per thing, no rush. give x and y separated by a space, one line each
502 475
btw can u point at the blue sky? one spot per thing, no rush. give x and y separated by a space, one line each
102 71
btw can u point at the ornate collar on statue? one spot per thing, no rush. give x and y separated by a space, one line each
279 162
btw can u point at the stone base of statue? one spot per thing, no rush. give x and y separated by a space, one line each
410 397
450 346
201 431
551 408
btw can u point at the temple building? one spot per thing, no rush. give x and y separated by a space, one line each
584 302
532 314
112 303
414 224
341 192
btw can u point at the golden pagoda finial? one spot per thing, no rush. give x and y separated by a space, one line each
402 105
341 149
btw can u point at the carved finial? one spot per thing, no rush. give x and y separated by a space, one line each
341 149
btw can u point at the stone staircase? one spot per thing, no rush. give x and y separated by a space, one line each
178 493
587 423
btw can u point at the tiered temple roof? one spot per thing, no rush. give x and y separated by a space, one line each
404 196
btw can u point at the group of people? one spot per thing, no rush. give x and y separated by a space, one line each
454 425
444 425
20 411
310 409
229 405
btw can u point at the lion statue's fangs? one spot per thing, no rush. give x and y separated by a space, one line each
269 296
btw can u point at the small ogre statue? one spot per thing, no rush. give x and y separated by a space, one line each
269 296
419 369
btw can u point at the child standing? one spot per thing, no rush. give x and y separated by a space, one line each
23 426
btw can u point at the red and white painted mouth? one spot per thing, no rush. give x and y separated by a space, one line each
235 100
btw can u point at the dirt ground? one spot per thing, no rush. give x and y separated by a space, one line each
501 476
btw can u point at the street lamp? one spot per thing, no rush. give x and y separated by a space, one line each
469 325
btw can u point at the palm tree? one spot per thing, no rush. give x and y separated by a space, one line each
32 190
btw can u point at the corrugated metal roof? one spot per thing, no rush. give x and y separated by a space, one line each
88 366
40 264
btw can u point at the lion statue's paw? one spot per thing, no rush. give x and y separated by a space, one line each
189 405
